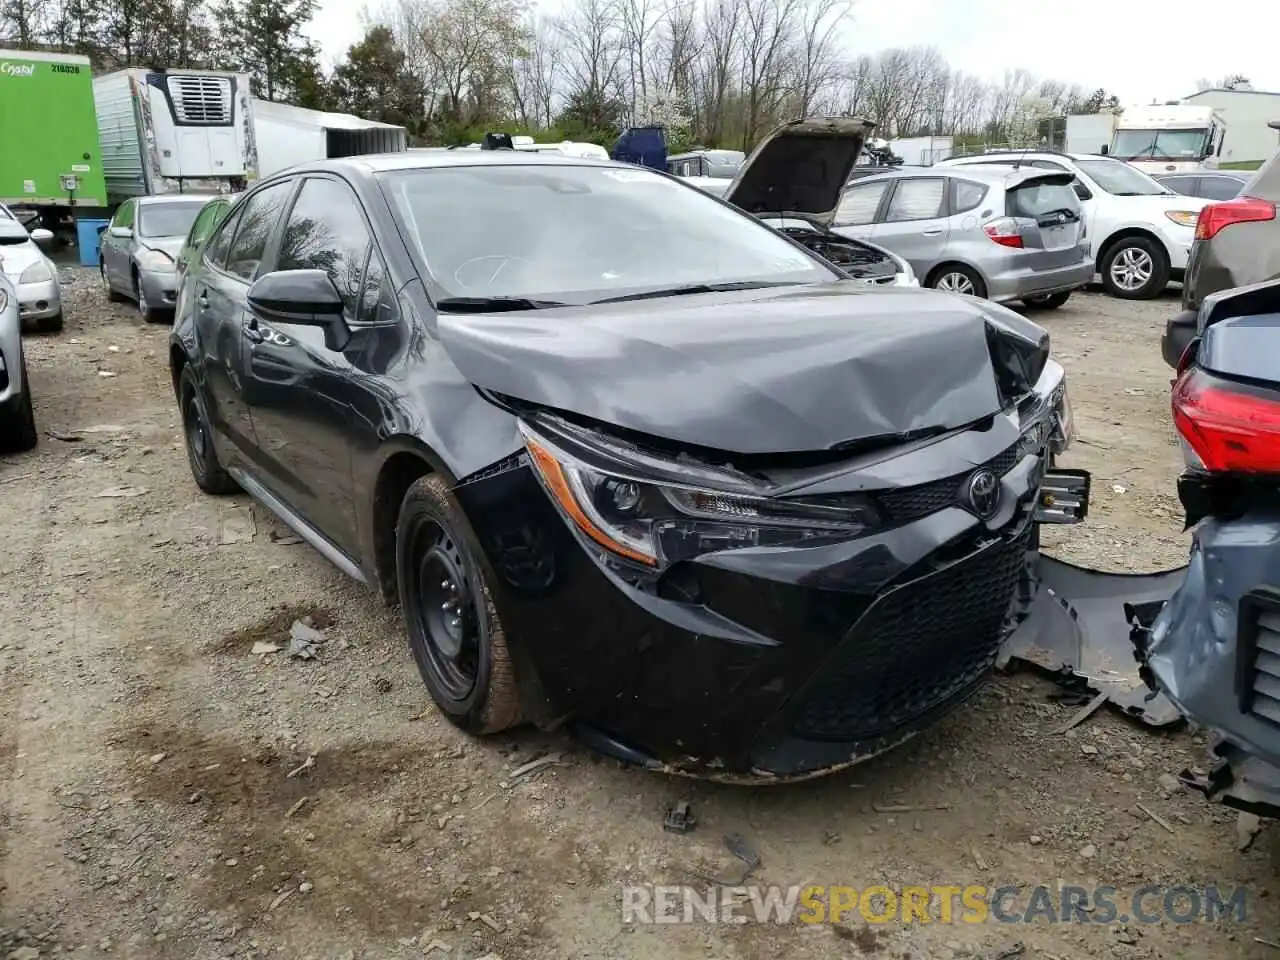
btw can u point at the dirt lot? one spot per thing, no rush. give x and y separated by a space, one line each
147 806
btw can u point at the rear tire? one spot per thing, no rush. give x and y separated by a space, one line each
1049 301
957 278
21 435
454 631
1135 268
197 433
112 296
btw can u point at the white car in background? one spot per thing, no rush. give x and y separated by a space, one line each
17 421
1139 232
33 275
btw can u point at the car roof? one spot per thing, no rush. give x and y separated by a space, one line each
428 160
991 172
177 198
1240 175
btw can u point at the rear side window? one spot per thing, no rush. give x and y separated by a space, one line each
966 195
216 252
922 199
1037 199
260 215
859 204
1219 188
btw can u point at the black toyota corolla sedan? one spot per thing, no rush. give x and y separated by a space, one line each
627 458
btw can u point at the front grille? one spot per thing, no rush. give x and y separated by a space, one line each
1259 652
200 99
912 503
917 648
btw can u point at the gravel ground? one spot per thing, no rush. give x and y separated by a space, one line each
156 798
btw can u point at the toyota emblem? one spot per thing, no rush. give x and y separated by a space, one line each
984 493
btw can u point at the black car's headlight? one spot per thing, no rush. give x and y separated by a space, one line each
659 523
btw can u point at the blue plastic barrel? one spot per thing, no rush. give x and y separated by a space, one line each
87 232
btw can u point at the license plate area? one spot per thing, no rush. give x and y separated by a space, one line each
1063 496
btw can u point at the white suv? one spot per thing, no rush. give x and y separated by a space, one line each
1139 232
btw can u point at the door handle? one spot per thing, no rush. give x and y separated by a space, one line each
253 334
203 299
933 233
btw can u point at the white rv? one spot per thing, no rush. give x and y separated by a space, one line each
1168 138
174 131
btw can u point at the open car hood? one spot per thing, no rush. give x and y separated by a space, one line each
801 167
784 370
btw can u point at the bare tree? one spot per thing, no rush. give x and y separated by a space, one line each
536 72
818 64
768 28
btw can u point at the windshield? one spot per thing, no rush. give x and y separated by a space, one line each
1160 144
167 219
578 234
1120 179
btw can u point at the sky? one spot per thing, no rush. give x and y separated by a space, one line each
1138 52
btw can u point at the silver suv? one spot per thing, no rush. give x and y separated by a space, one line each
995 232
17 421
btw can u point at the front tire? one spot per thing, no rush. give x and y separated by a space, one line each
1048 301
149 313
454 631
21 435
197 433
1135 268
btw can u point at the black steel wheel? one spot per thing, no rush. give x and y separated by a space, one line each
201 455
454 631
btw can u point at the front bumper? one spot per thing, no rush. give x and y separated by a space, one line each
11 385
160 288
1014 284
1214 651
769 664
36 301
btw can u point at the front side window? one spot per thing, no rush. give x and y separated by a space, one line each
124 216
859 204
326 231
258 218
220 242
917 199
167 219
1118 178
209 218
565 233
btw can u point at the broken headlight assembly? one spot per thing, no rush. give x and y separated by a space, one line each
658 523
1062 423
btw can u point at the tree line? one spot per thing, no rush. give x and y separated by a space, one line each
713 72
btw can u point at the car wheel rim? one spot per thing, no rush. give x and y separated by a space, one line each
1132 268
142 300
197 435
955 283
444 615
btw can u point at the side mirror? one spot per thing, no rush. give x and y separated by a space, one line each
305 297
1081 191
124 233
41 235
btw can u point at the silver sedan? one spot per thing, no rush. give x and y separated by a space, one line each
139 251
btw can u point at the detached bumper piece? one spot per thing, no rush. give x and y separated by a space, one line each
1078 625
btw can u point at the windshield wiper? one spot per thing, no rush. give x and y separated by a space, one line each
697 288
493 304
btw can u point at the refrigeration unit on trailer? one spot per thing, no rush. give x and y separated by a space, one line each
288 135
175 131
1169 138
49 154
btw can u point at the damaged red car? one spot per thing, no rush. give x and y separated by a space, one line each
628 458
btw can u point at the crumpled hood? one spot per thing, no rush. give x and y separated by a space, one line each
791 369
801 167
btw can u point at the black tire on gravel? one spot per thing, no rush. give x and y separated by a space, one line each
454 631
198 436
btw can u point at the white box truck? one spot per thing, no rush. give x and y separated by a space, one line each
287 136
174 131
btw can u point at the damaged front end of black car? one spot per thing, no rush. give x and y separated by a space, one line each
793 544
